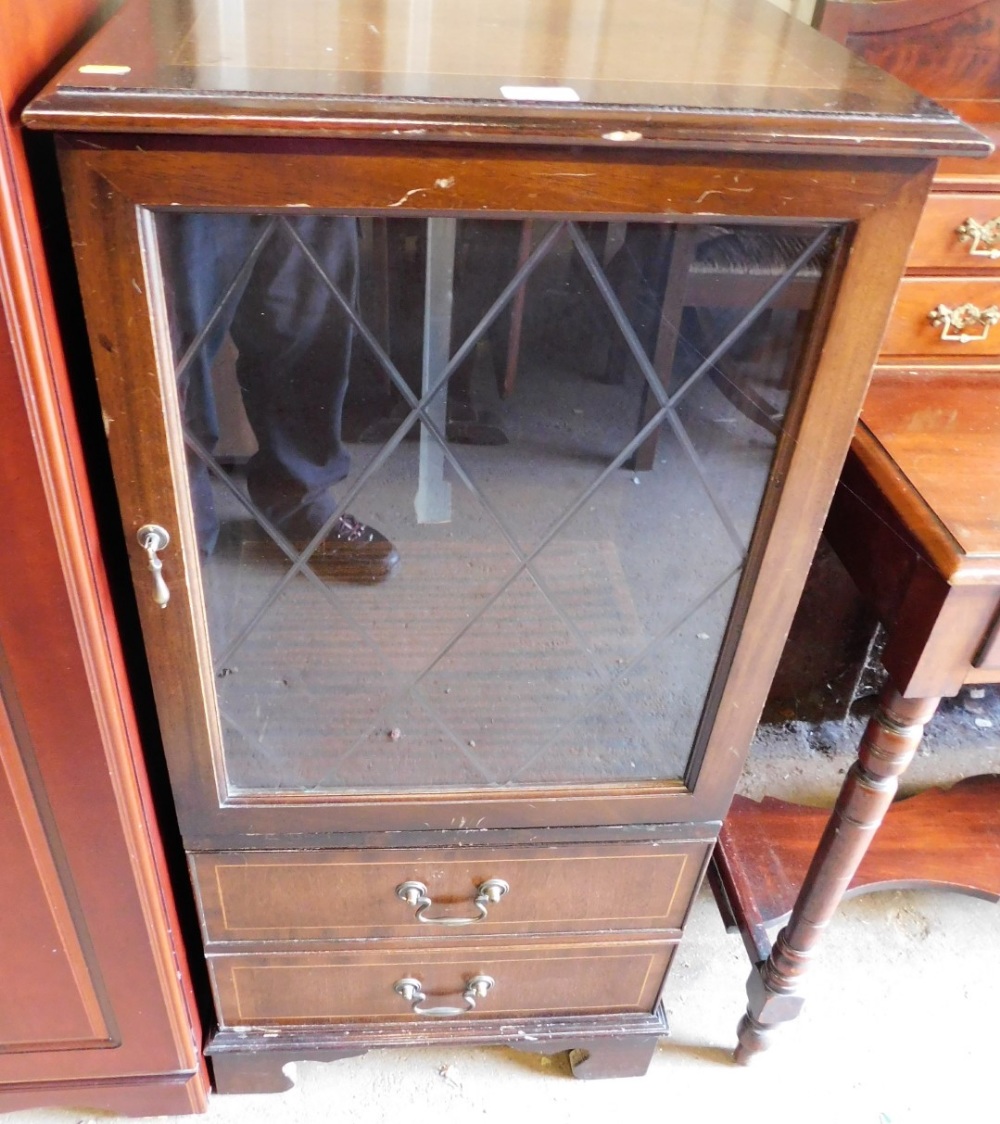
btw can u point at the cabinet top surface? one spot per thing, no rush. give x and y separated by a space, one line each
644 72
943 433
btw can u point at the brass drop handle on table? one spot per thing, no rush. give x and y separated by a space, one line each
984 237
487 893
153 538
412 991
954 321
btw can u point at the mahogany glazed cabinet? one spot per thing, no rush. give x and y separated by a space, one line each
476 378
96 1009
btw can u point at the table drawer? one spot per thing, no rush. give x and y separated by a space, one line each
937 244
551 979
345 895
911 332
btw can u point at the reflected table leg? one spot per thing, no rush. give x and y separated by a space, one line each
433 499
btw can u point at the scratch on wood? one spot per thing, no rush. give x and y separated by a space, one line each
413 191
719 191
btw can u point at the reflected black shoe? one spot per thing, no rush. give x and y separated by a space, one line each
352 552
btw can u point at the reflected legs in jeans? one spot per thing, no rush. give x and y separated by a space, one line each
294 349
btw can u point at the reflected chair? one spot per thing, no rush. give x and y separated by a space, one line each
704 287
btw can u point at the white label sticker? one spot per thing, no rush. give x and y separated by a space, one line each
100 68
539 93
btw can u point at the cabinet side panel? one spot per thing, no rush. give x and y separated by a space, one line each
83 846
48 996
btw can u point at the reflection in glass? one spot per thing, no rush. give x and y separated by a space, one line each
474 497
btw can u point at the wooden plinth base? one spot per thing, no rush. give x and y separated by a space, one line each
179 1094
253 1060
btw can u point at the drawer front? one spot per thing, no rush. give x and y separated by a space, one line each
553 979
349 895
911 332
938 244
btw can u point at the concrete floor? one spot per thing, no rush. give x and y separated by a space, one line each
899 1027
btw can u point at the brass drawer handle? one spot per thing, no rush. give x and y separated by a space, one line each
983 236
412 991
954 321
154 538
487 893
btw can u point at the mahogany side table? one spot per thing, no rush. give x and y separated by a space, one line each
915 522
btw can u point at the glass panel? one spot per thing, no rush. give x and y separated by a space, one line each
474 497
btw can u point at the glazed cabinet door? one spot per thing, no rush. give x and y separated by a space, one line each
459 505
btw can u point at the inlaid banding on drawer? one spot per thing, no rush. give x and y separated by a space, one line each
345 895
557 979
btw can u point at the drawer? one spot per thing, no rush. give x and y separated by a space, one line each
551 979
345 895
911 333
937 244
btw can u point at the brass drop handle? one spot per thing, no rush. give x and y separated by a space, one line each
954 321
984 237
154 538
487 893
412 991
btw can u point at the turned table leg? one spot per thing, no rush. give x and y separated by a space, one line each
887 747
